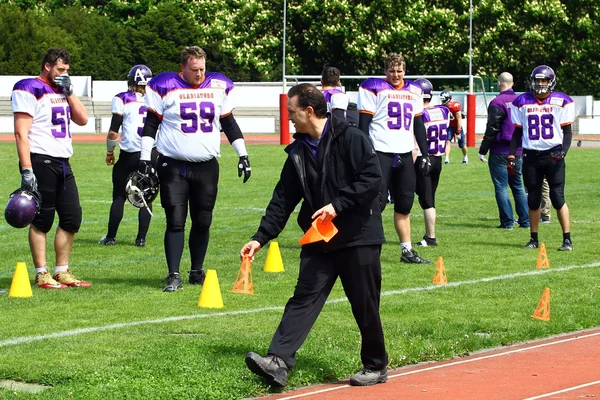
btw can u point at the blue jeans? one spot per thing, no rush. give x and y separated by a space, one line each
501 180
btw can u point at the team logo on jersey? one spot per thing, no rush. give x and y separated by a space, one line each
435 114
557 101
218 83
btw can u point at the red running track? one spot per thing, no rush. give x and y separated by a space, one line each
561 367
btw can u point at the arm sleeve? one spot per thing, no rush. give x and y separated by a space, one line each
420 134
151 125
517 137
567 137
116 122
364 120
494 123
231 128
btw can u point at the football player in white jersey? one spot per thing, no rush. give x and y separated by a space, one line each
543 120
337 100
390 113
128 114
191 107
436 120
43 109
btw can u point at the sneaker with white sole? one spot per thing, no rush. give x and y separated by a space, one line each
67 278
108 241
566 246
173 282
426 242
367 377
45 281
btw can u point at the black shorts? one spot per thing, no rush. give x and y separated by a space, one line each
427 185
56 184
398 176
537 165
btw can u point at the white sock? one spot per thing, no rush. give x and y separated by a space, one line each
60 268
41 270
406 246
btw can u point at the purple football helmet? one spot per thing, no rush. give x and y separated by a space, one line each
22 207
139 75
426 87
543 72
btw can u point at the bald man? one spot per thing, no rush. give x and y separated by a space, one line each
499 131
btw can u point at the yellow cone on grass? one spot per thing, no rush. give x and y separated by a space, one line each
210 296
274 263
20 286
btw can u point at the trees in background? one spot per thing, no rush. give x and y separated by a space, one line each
244 37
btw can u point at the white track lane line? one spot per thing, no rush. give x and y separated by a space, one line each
74 332
541 396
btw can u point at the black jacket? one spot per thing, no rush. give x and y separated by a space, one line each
350 179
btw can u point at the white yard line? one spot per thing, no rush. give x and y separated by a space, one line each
91 329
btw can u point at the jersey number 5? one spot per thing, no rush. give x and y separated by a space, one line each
192 112
61 117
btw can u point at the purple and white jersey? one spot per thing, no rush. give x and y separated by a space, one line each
542 121
50 132
190 127
336 99
437 121
132 107
393 110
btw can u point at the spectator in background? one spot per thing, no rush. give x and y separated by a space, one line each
43 109
337 100
496 139
456 128
390 113
546 117
129 113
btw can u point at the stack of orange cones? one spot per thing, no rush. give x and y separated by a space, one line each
542 261
243 282
440 273
320 230
542 312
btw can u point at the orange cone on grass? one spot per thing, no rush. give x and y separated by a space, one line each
273 263
20 286
319 230
243 281
440 273
542 260
542 312
210 296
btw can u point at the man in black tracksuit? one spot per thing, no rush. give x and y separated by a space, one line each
333 169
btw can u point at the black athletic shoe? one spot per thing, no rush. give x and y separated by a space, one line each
108 241
140 242
566 246
532 244
426 242
173 282
367 377
411 257
197 277
271 367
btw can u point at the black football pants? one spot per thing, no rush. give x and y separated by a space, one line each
359 269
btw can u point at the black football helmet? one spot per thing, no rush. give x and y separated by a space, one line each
22 207
445 97
139 75
542 72
426 87
142 188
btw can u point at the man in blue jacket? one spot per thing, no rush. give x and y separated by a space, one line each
333 169
496 139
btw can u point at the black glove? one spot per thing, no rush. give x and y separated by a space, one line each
28 180
558 155
145 167
511 166
424 165
244 166
64 82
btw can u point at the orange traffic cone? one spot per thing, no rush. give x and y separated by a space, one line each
243 282
440 273
320 230
542 261
542 312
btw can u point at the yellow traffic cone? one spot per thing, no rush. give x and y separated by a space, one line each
20 286
210 296
274 263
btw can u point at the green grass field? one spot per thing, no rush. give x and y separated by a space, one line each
125 338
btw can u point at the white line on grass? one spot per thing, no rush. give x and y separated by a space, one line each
74 332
